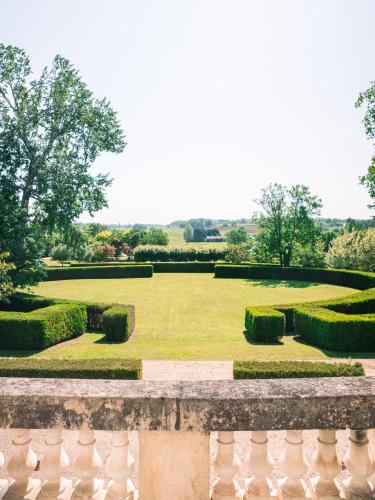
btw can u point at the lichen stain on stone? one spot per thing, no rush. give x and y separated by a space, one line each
77 406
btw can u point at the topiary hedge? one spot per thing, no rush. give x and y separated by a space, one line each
333 330
71 368
184 267
118 322
94 272
294 369
264 324
43 327
150 253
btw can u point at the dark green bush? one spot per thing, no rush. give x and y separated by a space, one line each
264 324
353 279
106 263
95 312
118 322
71 368
186 254
93 272
43 327
335 331
184 267
27 302
294 369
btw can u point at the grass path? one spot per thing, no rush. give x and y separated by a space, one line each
186 316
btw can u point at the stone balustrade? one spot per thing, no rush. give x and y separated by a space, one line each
173 421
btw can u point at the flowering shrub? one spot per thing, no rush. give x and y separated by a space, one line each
354 250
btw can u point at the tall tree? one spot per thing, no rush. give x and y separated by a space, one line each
51 131
286 220
368 98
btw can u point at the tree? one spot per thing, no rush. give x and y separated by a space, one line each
199 234
355 250
368 97
236 236
238 253
157 237
61 253
94 228
286 220
51 131
6 286
188 233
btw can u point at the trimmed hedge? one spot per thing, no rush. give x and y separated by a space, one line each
43 327
264 324
94 272
118 322
184 267
335 331
71 368
294 369
352 279
150 253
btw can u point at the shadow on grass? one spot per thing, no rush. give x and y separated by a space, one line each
337 354
249 340
18 353
280 283
104 340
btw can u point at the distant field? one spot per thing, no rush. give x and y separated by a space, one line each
176 237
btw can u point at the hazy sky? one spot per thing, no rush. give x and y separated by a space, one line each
217 98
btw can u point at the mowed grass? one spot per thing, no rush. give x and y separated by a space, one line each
176 239
186 316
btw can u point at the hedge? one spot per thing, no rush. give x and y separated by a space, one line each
150 253
264 324
93 272
352 279
118 323
71 368
184 267
333 330
294 369
43 327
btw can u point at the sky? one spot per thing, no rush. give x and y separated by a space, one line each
217 98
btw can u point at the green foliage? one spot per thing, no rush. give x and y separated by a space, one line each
310 254
51 131
354 250
199 234
368 98
6 285
92 272
183 267
264 324
236 236
43 327
335 331
103 252
189 254
294 369
157 237
237 254
61 253
70 368
94 228
285 221
188 233
118 323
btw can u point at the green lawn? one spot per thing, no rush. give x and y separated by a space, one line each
186 316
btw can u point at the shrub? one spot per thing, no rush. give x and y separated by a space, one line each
103 252
294 369
335 331
355 250
71 368
264 324
95 312
163 254
118 323
183 267
237 254
237 236
6 285
43 327
61 253
93 272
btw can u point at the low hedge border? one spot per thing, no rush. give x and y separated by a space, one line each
118 322
99 272
294 369
71 368
264 324
43 327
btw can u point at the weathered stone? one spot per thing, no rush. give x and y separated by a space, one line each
319 403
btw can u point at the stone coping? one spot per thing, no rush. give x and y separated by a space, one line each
204 406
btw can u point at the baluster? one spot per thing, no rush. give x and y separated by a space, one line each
227 466
119 467
21 465
294 464
359 463
327 464
53 465
3 482
259 464
85 466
